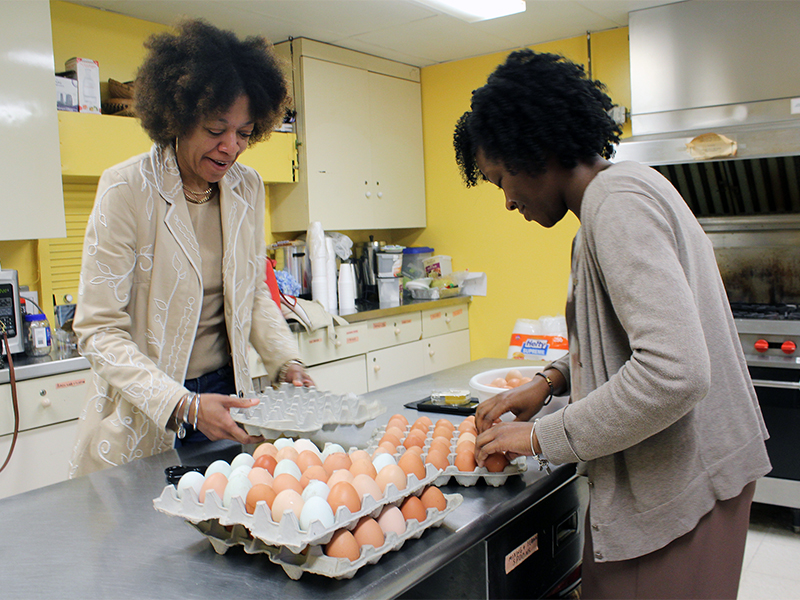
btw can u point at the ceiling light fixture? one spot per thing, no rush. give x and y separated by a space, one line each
477 10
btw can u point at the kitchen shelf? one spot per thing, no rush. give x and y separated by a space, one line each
92 143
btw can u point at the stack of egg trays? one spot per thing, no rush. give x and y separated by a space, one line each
315 561
463 478
286 534
302 411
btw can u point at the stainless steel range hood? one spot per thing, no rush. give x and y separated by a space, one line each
726 68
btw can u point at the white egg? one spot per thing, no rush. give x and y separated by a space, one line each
237 486
191 480
219 466
316 509
382 460
243 459
243 469
317 488
304 444
330 449
283 442
287 466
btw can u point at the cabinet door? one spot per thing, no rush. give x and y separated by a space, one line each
342 376
394 365
397 179
438 321
337 144
30 167
445 351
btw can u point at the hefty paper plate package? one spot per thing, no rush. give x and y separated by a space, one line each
542 339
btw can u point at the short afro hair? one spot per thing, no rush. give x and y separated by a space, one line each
199 72
535 107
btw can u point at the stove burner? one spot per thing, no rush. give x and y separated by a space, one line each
772 312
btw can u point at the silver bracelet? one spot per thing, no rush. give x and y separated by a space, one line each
544 464
181 420
196 401
285 368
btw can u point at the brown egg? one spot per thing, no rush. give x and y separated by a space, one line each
438 459
343 545
440 444
368 533
466 427
266 461
415 437
265 448
465 461
445 423
314 472
307 458
259 475
365 485
400 418
216 482
442 431
285 481
412 508
410 462
423 423
416 450
340 475
363 466
466 447
359 455
396 432
287 500
391 438
380 450
524 380
433 497
495 463
257 493
336 461
287 452
344 494
391 474
466 436
513 382
390 447
391 520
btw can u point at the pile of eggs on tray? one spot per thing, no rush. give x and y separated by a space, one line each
296 476
439 452
512 379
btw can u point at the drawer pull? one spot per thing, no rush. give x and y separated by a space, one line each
337 344
447 320
377 368
431 352
46 402
397 331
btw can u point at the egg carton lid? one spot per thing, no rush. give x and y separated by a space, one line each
464 478
287 533
301 411
315 561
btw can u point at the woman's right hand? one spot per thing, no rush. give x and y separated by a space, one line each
215 419
523 402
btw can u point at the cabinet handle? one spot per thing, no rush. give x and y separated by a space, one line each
380 194
46 402
447 320
431 352
376 368
368 194
337 344
397 331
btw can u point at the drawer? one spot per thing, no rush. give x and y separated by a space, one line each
445 351
438 321
348 375
316 348
390 331
45 400
394 365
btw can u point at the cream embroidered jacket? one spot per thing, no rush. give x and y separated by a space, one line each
140 297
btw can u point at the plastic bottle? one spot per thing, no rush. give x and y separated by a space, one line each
37 339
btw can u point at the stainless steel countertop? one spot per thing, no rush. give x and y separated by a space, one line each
100 537
373 310
26 367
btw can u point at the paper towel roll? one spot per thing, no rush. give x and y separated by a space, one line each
333 304
347 297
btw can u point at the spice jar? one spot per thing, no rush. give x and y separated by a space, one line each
37 339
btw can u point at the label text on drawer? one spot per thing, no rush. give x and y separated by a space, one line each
521 552
436 315
379 325
458 312
72 383
406 321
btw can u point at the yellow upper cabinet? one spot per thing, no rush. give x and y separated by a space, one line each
92 143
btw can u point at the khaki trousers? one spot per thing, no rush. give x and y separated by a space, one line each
704 563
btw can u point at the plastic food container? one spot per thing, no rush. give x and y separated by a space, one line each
413 261
37 339
390 261
389 290
451 397
438 266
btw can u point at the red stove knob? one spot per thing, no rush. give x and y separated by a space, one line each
788 347
761 345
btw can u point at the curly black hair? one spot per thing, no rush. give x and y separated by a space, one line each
199 72
534 107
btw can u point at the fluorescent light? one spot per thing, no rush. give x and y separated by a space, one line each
477 10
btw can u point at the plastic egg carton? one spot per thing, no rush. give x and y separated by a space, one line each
302 411
315 561
463 478
287 533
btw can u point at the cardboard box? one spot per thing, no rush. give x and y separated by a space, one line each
88 71
66 94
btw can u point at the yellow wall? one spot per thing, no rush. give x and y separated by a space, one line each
527 265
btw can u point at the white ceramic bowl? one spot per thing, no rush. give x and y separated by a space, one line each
480 387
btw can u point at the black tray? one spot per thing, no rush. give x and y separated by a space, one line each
426 405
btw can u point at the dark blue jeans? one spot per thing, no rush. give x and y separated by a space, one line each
220 381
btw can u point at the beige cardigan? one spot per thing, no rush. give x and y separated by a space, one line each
140 297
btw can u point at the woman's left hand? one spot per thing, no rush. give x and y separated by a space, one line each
297 375
513 438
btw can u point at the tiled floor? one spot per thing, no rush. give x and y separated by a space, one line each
771 569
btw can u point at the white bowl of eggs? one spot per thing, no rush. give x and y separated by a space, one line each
490 383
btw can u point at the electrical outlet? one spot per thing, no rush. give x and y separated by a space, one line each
30 308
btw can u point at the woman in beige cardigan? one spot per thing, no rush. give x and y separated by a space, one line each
172 283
